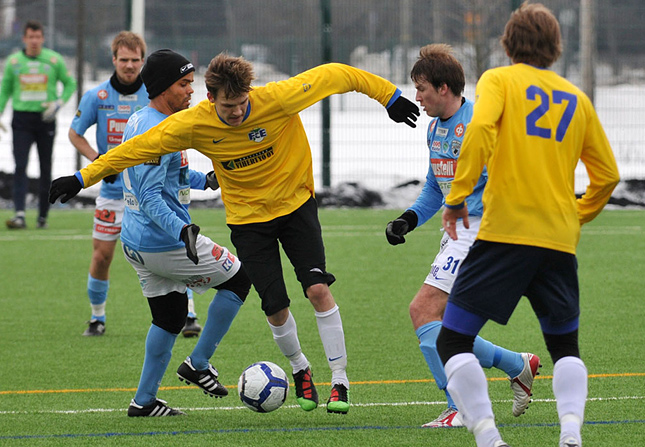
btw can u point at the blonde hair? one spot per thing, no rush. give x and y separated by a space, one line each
129 40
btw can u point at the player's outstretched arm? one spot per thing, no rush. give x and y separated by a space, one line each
65 188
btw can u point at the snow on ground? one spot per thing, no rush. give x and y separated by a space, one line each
369 149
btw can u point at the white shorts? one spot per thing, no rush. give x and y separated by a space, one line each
451 254
171 271
108 215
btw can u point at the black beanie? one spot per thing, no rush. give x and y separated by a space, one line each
162 69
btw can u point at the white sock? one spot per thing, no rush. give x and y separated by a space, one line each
191 302
570 390
468 387
486 433
98 310
286 336
330 328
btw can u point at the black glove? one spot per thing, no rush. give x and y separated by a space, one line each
403 111
110 178
67 187
401 226
211 181
189 236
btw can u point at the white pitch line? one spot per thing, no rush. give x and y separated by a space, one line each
49 237
365 405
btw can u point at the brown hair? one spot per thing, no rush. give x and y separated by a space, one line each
129 40
437 65
231 74
532 36
33 25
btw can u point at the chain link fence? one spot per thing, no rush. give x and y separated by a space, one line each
283 38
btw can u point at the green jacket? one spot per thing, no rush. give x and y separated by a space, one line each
32 81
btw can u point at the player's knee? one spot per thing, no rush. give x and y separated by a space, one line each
562 345
169 311
429 304
451 343
102 259
239 284
318 292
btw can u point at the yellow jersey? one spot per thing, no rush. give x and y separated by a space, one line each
529 128
264 166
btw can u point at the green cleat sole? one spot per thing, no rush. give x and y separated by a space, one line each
338 407
306 404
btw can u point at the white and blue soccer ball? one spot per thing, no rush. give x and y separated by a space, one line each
263 387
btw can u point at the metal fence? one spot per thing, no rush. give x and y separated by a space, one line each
283 38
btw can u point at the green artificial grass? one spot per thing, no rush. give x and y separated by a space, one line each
60 388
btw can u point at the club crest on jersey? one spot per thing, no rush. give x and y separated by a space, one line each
258 134
455 147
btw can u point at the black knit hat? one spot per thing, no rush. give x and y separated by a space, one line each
162 69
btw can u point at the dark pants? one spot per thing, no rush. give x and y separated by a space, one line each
29 128
258 248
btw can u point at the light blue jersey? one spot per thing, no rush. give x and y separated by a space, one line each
109 110
444 142
156 193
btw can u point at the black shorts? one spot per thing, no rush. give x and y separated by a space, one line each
494 276
300 235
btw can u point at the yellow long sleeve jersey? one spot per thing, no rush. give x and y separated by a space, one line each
264 166
530 127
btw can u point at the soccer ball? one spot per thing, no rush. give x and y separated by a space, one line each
263 387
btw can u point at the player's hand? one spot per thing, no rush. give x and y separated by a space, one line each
449 220
189 236
211 181
67 187
399 227
51 109
403 110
